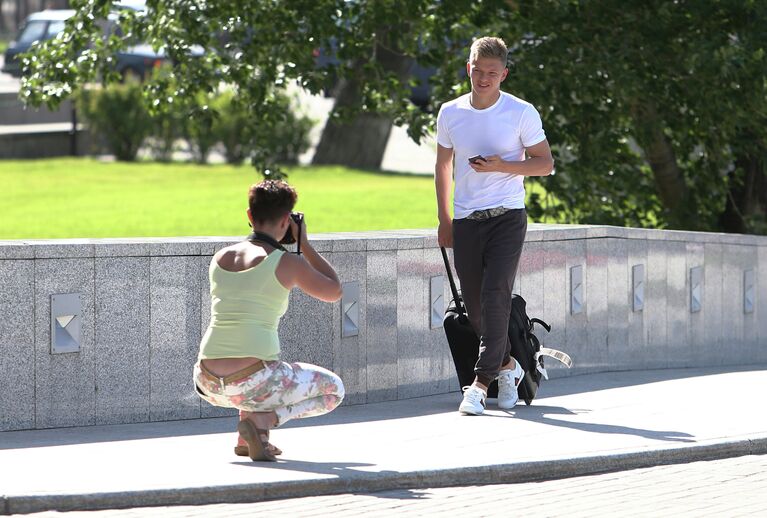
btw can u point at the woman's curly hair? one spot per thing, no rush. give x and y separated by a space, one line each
270 200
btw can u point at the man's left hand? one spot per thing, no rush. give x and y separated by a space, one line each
491 164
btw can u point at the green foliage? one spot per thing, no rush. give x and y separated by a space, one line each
288 137
255 47
282 141
648 100
229 126
258 48
167 128
117 114
198 131
655 110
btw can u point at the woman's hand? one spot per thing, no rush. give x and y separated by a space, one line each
310 272
294 230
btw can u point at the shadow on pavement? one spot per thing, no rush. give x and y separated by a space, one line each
400 494
345 470
111 433
539 414
129 432
580 383
401 409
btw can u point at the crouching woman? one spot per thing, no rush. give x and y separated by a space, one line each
239 362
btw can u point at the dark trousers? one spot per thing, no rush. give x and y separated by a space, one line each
486 256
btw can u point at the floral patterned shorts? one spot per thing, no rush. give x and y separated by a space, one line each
291 390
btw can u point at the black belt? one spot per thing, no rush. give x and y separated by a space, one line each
479 215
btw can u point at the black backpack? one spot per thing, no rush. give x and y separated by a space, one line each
527 350
525 346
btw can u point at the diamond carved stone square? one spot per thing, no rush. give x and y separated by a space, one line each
66 320
576 290
437 298
749 291
350 309
696 289
637 296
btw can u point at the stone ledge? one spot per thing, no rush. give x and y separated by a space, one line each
341 241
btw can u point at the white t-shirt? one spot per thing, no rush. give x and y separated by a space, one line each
506 128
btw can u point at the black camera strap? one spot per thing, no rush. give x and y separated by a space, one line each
269 240
265 238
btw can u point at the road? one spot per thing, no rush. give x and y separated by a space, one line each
729 487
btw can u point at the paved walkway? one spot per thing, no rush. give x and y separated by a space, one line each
716 488
580 425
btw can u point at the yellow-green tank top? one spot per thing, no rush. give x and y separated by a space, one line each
245 311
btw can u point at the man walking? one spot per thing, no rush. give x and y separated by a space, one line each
495 139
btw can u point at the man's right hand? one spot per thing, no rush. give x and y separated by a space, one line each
445 234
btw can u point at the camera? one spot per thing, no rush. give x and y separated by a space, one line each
289 238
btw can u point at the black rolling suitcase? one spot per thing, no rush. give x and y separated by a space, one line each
464 343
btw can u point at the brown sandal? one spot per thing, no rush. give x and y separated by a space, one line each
241 450
258 449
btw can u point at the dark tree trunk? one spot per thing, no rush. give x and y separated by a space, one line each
361 141
668 177
747 196
660 155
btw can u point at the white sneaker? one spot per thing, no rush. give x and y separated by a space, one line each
473 401
508 381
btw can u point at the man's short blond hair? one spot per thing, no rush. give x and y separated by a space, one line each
489 47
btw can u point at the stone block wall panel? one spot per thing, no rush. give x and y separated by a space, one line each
146 304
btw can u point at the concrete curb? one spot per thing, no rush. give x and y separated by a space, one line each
369 482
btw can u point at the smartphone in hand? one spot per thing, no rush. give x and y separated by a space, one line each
476 158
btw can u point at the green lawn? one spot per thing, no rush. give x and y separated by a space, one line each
65 198
68 198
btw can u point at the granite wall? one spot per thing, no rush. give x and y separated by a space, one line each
617 299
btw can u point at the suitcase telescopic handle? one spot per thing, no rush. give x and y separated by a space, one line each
449 270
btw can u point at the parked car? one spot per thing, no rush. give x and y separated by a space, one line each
134 61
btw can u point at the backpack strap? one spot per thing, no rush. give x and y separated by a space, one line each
537 356
520 316
556 354
453 289
546 326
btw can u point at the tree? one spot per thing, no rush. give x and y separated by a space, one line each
359 140
655 110
375 88
257 48
261 47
